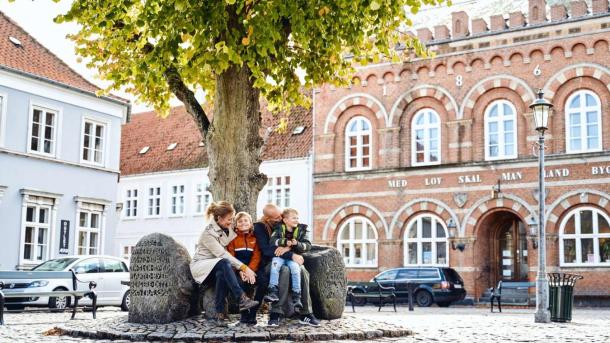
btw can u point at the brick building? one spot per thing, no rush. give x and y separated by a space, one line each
411 153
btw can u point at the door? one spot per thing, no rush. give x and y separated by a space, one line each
404 277
512 251
90 270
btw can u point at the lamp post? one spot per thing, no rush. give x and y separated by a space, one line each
541 109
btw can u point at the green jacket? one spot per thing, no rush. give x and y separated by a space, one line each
278 237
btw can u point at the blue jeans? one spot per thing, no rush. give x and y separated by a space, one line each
295 273
226 281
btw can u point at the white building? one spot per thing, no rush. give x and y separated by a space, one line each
59 156
163 187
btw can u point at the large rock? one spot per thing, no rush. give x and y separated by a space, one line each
161 285
327 281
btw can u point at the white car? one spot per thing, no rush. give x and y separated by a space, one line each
106 271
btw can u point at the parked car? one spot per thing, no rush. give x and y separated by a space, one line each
106 271
431 285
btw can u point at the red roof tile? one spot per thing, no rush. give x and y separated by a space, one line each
33 58
148 129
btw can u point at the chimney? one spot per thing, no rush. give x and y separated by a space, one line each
424 35
558 12
516 19
600 6
459 26
537 12
479 26
441 32
579 8
498 23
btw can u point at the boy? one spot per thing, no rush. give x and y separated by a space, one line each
288 233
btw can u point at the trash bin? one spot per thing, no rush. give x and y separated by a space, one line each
561 296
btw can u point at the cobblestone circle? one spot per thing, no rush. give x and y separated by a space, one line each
196 329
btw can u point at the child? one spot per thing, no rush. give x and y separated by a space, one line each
288 233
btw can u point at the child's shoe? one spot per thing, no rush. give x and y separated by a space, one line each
273 295
296 301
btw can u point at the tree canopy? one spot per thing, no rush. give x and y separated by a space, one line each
156 48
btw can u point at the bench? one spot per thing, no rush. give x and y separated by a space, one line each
383 294
496 293
74 293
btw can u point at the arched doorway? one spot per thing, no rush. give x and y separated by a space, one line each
501 251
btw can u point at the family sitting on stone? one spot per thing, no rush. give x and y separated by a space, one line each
240 257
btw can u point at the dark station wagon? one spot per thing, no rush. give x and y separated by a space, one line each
440 285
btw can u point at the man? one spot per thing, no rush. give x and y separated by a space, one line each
262 231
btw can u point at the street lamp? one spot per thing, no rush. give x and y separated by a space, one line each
541 108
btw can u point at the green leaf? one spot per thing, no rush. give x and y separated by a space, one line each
375 5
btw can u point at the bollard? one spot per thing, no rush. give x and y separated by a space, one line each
410 288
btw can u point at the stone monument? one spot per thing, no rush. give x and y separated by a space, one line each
161 285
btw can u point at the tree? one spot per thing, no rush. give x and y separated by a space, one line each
236 51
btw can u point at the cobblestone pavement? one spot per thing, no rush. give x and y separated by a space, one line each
455 324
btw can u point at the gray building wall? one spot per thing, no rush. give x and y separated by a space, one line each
64 176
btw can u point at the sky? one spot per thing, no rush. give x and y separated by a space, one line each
36 17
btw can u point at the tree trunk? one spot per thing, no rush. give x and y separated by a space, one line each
234 142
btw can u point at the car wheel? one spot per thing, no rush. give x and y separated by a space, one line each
359 301
126 301
59 303
444 304
423 298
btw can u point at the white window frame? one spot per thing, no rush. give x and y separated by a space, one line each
86 209
419 240
365 240
177 196
200 194
129 200
279 194
577 236
106 127
38 198
3 120
359 145
426 127
56 142
37 228
157 197
582 110
501 119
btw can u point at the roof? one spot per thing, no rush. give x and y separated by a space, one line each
148 129
23 53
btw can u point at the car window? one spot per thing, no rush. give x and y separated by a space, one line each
113 266
55 265
125 266
451 275
387 276
428 274
407 274
91 265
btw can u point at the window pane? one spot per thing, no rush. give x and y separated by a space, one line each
287 180
36 116
592 143
358 229
591 100
604 250
29 233
95 221
507 110
569 228
412 257
493 127
575 103
586 222
592 117
413 230
440 231
49 119
493 139
574 119
493 151
426 227
575 144
365 162
83 219
29 214
419 120
433 118
345 232
441 253
426 252
365 139
358 254
509 150
34 144
370 234
602 224
509 125
494 111
370 253
42 236
586 249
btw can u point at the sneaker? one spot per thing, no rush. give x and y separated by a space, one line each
273 295
247 319
309 319
220 320
274 319
246 303
296 301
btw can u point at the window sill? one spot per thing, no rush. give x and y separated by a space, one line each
356 266
129 219
173 216
586 265
153 217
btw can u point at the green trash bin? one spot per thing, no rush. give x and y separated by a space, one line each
561 296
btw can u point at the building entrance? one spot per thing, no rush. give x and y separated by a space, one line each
510 253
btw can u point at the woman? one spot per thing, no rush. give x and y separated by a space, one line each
213 263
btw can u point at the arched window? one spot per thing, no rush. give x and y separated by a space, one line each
426 241
357 242
583 122
425 137
500 131
358 144
584 238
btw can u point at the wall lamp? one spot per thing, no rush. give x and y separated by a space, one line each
452 227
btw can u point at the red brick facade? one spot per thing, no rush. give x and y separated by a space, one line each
561 55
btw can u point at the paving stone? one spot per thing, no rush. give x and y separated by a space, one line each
188 336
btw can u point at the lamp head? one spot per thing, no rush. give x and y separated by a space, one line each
541 108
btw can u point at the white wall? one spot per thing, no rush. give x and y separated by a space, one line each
186 228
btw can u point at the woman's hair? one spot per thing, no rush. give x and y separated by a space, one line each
219 209
240 215
288 211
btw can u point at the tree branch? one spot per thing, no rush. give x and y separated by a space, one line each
187 96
